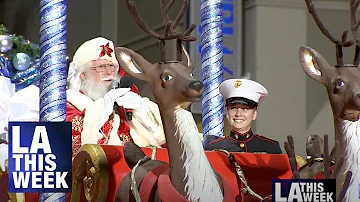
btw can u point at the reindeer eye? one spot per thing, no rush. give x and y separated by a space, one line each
191 74
167 77
339 83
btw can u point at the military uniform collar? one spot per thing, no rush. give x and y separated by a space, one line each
241 136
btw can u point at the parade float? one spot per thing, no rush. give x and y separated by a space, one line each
184 171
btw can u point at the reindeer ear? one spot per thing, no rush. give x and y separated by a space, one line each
186 61
313 63
126 56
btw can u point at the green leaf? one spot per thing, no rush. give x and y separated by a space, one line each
19 45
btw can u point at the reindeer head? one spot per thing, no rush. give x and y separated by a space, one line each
343 80
171 81
314 146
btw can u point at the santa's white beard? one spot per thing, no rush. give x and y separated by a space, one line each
96 89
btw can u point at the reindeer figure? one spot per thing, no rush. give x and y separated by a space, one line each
319 163
343 86
315 161
316 165
174 89
319 167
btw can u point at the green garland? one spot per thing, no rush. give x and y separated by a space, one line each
20 46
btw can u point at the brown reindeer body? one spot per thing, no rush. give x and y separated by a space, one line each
343 86
314 152
311 170
320 164
174 88
133 154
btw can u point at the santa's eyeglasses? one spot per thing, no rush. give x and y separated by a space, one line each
103 68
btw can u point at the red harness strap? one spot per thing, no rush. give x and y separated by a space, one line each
159 179
148 185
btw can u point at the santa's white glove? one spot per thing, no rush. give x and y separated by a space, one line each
3 156
129 100
110 98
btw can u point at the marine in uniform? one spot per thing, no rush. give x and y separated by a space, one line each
242 97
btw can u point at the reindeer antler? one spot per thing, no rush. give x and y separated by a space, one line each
326 157
170 32
339 44
290 150
354 4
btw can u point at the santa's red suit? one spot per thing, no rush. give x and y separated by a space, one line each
88 128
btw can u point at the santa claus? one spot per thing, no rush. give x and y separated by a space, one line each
91 100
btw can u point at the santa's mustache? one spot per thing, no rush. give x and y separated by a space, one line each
108 78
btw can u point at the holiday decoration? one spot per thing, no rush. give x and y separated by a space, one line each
106 50
5 43
29 76
4 63
19 59
53 66
212 67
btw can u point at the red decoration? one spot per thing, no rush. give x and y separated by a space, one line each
106 50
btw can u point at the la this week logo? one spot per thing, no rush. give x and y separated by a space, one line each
39 157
